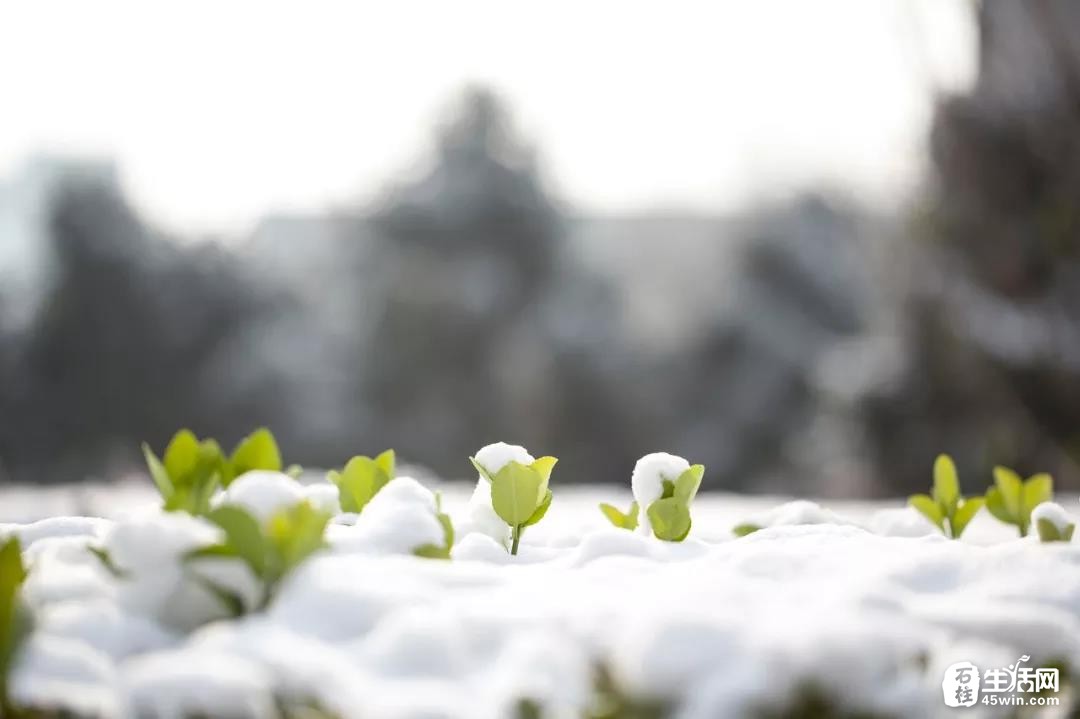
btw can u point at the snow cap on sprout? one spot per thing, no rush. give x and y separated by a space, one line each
1052 522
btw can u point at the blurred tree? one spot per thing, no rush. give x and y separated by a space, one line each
991 370
747 389
459 293
121 349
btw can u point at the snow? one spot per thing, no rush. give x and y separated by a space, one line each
494 457
397 520
859 600
262 493
196 682
53 673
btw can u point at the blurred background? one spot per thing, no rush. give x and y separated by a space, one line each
810 245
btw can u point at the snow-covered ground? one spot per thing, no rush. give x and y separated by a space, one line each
864 604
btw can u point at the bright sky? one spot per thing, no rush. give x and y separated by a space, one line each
219 110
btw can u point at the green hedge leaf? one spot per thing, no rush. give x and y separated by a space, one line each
964 514
1010 487
541 509
515 493
670 519
259 450
946 490
686 486
928 508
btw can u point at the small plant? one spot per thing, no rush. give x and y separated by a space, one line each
271 551
629 520
435 551
15 621
1052 523
1011 499
191 470
519 493
669 516
950 511
259 450
188 473
741 530
362 478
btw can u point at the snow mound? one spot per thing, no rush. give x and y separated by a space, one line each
866 611
397 520
262 493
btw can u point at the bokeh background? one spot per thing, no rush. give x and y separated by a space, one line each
810 245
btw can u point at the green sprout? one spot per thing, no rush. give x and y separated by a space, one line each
191 470
1011 499
629 520
435 551
271 550
15 620
188 473
949 511
362 478
519 493
741 530
1053 523
669 516
259 450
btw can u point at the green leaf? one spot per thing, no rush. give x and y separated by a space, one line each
158 472
1067 535
107 562
386 461
448 529
1048 531
1011 489
359 481
946 490
14 622
181 455
259 450
614 515
294 471
212 551
964 514
686 486
295 533
928 508
670 519
620 520
541 509
996 506
543 467
242 534
668 488
741 530
515 493
482 470
1037 489
431 551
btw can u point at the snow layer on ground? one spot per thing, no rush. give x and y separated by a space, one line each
855 598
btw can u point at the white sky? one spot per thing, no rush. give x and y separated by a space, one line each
220 110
